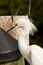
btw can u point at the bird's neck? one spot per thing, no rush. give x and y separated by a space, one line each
23 47
24 36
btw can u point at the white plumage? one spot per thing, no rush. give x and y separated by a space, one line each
34 53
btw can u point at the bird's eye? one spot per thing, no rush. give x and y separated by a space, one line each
15 24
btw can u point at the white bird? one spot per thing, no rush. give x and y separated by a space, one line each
34 53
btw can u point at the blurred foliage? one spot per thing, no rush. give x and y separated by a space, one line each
9 7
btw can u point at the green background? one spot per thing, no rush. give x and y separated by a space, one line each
9 7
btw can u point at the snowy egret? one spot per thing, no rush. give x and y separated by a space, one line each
34 53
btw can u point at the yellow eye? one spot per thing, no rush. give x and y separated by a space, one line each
15 25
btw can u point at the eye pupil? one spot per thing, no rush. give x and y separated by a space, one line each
16 24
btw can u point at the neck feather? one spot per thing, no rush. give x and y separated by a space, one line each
23 47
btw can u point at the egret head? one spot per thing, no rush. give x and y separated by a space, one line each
19 22
26 24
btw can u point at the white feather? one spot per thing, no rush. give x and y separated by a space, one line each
34 53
